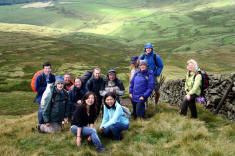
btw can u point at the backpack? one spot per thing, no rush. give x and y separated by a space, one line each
34 79
205 81
86 76
154 58
126 111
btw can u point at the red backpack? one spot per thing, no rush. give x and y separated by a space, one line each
34 79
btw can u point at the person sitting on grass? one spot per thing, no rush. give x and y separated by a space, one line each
86 114
55 110
114 120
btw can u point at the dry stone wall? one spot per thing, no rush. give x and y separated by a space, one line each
173 92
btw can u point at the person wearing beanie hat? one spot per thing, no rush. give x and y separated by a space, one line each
141 87
155 64
56 109
113 84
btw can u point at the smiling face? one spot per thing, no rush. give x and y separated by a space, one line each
77 83
90 100
97 74
67 79
60 86
148 50
112 76
109 101
190 67
47 70
143 67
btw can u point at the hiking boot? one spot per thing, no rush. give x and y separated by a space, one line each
38 128
99 150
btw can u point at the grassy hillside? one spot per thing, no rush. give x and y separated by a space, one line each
174 26
78 35
164 132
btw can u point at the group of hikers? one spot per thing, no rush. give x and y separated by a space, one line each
81 100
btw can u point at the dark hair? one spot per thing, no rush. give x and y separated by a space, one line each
80 80
46 64
114 96
93 108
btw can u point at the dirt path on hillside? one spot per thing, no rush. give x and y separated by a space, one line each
38 5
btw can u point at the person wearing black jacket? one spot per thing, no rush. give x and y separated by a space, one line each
83 116
113 84
95 84
76 94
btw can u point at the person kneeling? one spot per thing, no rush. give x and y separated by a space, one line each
55 110
86 114
114 120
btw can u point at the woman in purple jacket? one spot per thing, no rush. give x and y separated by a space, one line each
141 87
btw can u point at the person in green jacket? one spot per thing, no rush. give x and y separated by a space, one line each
192 88
55 110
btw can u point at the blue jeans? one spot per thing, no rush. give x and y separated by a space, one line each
140 109
40 117
114 130
87 131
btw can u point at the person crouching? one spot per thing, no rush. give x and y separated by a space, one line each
55 110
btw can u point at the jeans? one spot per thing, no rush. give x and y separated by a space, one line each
134 109
87 131
115 130
191 104
140 109
40 117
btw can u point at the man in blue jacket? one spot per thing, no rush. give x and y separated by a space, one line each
141 87
40 85
155 64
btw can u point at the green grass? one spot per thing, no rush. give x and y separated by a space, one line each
164 132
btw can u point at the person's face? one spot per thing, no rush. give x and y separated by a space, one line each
148 50
97 74
190 67
47 70
60 86
112 76
90 100
109 101
143 67
78 83
67 79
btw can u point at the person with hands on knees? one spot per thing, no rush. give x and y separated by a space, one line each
84 115
114 120
141 87
56 109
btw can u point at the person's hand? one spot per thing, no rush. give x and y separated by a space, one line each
89 138
79 140
79 102
130 96
48 124
141 98
188 97
101 129
65 120
111 90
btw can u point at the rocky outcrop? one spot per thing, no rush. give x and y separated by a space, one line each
173 92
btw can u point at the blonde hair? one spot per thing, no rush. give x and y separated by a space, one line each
195 65
98 69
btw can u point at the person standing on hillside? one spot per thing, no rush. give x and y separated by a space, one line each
141 87
193 84
95 84
40 86
155 64
134 66
113 84
56 109
68 82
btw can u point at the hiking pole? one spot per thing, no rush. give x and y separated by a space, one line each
224 97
